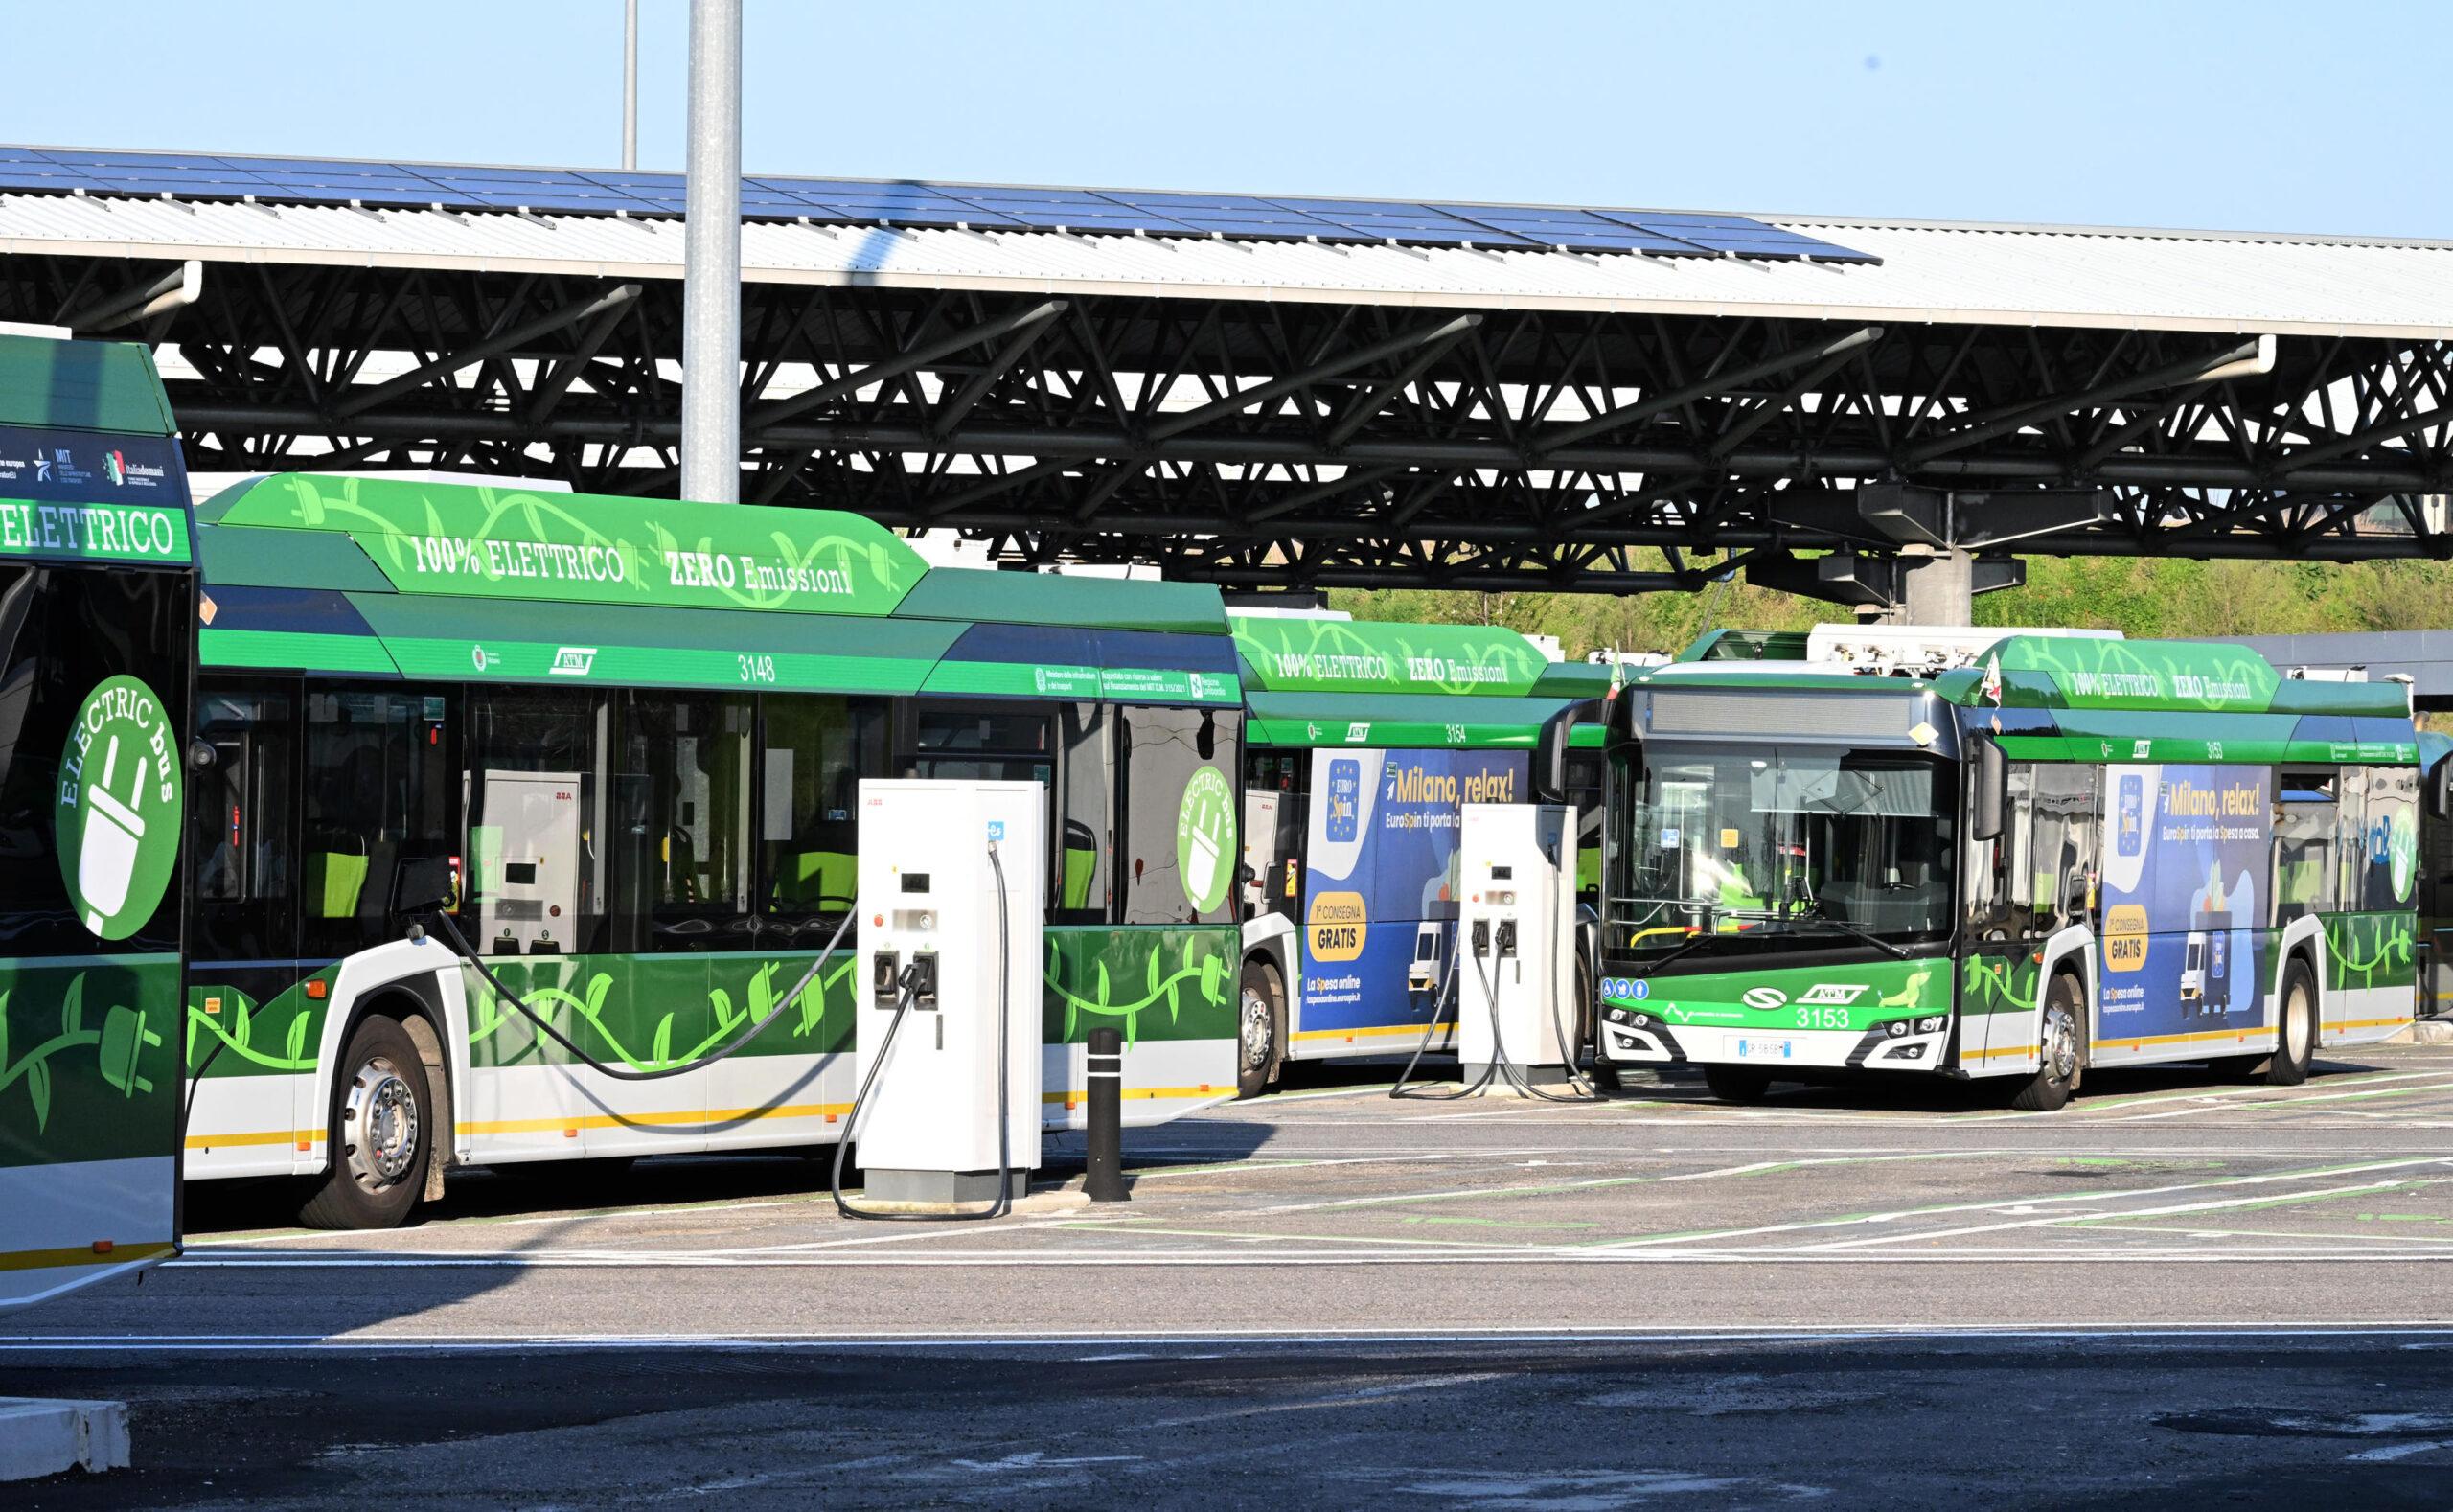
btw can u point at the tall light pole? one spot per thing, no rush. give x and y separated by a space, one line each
711 252
630 83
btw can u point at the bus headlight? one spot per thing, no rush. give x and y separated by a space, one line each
1931 1023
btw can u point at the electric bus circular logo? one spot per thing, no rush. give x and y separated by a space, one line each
1205 835
116 817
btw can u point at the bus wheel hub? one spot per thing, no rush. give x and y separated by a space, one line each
380 1121
1256 1029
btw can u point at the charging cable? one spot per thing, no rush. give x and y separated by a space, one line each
621 1073
1445 1001
1003 1202
1585 1093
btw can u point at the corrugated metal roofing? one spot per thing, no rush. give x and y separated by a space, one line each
1983 274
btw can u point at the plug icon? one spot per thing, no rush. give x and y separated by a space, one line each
126 1038
108 861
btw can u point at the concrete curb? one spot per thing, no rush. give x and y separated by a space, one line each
41 1437
2427 1031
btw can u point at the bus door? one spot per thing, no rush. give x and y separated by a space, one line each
97 615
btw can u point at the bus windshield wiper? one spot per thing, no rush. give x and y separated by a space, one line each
1852 926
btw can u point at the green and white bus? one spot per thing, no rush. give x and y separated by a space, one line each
97 592
1973 854
1364 740
632 731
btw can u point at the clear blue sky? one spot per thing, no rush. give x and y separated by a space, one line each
2242 114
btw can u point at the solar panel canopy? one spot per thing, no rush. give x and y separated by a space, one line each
860 202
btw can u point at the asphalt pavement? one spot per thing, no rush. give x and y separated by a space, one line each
2179 1288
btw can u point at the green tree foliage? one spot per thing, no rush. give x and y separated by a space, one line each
2140 597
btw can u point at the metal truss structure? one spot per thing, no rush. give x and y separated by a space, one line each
1321 443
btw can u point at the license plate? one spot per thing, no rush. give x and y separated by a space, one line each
1767 1049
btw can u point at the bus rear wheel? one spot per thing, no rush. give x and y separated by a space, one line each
380 1133
1736 1084
1260 1021
2061 1052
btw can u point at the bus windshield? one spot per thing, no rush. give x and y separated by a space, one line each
1721 848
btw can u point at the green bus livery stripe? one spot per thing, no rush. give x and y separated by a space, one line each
650 666
303 651
1156 982
145 534
1846 999
1305 734
1113 684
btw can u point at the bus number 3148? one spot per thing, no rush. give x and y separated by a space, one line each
757 668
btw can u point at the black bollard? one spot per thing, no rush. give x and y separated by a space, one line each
1104 1179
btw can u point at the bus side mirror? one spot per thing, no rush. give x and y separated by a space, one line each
1550 750
2440 790
423 885
1992 790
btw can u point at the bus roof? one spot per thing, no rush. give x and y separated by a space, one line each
109 386
425 579
2040 671
1376 682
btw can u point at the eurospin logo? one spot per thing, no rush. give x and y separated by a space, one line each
116 817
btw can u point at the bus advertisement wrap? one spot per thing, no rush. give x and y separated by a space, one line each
1383 868
2183 901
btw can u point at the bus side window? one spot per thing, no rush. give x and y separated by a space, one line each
1162 753
681 820
538 831
2386 862
2001 883
373 794
1085 838
244 814
2306 874
2064 861
813 750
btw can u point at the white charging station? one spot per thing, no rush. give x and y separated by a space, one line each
1516 989
929 908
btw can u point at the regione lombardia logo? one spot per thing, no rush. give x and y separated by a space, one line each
116 814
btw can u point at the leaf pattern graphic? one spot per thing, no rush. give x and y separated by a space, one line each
38 1090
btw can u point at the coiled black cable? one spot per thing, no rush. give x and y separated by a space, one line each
460 944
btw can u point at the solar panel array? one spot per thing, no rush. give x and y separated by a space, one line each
1113 212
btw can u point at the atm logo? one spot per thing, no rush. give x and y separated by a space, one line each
573 661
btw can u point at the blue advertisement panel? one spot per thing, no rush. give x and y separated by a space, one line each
2183 897
1379 873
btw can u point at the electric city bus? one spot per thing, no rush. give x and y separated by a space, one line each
629 733
96 591
1994 854
1363 742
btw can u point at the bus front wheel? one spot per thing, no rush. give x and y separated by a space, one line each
382 1133
1260 1022
2061 1052
2296 1036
